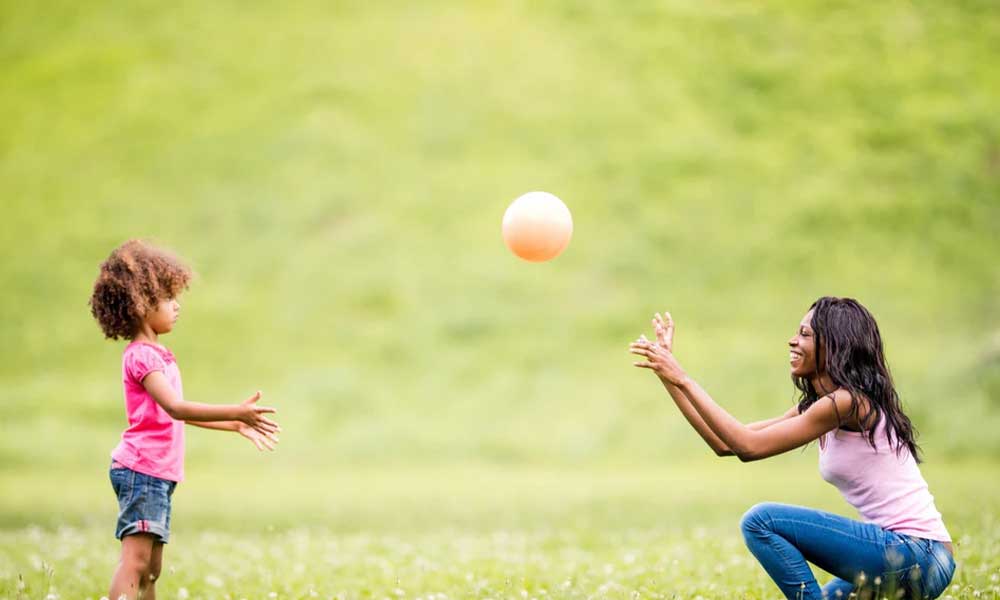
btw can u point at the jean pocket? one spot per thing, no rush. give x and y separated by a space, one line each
940 570
121 481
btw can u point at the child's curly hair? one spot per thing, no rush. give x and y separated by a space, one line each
132 281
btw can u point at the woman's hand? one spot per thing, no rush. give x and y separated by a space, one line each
659 358
253 416
261 440
664 328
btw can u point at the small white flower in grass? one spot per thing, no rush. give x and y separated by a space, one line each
182 593
272 594
52 597
214 581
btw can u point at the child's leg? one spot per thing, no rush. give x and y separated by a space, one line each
155 565
784 537
132 575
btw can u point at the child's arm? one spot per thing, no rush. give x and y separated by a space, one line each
261 440
247 413
217 425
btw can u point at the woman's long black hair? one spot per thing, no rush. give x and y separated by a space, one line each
849 350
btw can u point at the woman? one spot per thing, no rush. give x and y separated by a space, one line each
866 449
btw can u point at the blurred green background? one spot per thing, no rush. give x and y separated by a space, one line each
336 173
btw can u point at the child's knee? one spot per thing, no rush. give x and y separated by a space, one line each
137 558
155 566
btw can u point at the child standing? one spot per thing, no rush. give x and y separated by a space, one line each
135 298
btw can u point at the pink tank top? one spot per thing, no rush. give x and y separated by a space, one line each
887 489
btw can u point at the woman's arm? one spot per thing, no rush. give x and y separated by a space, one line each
774 436
791 433
694 419
664 328
698 423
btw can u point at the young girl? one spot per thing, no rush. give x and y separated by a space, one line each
135 298
866 449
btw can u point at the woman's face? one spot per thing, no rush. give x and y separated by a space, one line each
802 352
163 317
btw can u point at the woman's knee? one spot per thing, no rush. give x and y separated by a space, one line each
758 518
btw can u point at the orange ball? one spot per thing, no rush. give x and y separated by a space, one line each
537 226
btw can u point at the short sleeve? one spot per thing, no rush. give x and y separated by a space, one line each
141 360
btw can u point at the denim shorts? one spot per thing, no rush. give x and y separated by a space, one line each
143 503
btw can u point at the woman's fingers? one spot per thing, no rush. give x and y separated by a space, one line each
264 409
658 329
646 345
640 348
669 327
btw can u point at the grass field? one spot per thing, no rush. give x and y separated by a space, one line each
465 532
457 421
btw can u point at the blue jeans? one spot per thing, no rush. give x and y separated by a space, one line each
860 556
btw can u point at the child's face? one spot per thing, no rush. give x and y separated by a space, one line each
162 318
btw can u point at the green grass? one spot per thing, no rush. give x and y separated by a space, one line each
466 531
336 174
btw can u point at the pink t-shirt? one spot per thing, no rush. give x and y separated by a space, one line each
887 489
153 444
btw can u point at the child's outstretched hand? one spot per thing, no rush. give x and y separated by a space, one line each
253 416
261 440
